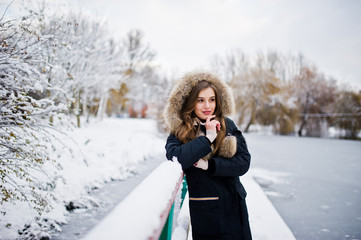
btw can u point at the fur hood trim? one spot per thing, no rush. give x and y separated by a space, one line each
182 89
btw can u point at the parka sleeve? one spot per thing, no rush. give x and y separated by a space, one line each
237 165
189 153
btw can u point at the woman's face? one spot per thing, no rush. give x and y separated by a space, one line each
206 103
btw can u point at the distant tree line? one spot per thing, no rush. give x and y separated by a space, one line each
288 93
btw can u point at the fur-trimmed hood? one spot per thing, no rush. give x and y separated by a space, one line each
182 89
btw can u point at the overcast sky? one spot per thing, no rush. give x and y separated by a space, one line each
186 33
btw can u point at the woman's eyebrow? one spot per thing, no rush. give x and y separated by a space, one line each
209 97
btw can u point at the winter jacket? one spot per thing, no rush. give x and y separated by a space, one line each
216 196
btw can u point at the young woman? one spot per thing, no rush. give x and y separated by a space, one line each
212 153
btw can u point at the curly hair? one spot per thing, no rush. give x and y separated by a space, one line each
187 130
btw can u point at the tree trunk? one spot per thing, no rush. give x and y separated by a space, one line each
88 115
77 109
250 122
303 123
248 125
102 106
84 103
304 116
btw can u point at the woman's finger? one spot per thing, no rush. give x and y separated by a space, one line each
209 122
218 126
209 118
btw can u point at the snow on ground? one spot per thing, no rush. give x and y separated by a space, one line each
265 222
111 150
100 152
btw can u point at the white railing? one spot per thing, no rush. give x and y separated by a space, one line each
144 212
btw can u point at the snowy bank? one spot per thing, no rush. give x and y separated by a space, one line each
100 152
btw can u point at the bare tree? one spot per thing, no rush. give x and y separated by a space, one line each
314 95
348 109
138 70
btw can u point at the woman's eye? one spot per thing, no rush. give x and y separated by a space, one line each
200 100
212 100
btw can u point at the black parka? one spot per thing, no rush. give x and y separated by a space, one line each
216 196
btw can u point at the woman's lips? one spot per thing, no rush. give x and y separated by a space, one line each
207 112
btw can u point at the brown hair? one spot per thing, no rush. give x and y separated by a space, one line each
187 131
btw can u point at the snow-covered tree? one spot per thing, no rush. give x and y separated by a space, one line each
24 135
139 71
85 63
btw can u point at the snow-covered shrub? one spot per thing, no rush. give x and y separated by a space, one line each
25 142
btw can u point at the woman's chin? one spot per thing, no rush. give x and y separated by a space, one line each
203 118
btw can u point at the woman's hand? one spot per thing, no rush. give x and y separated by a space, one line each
211 128
202 164
212 124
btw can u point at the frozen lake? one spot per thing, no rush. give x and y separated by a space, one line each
315 184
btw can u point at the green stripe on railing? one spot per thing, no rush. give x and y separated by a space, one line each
184 190
167 229
168 226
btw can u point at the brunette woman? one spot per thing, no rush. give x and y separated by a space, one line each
213 154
